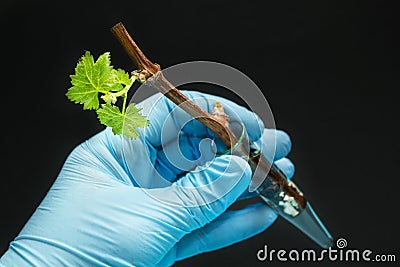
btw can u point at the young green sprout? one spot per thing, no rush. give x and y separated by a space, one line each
95 80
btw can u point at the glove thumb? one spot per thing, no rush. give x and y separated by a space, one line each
208 191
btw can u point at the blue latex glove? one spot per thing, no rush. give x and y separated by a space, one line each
110 206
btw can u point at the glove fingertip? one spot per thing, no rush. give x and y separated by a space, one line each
286 166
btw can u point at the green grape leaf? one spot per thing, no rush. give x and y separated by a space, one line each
132 120
120 123
122 77
92 78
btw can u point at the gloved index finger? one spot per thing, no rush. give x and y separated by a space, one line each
167 120
275 143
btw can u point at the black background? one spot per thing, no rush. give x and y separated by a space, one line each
329 70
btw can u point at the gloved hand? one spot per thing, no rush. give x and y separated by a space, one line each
142 202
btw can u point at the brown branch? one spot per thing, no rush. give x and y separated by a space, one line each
220 128
163 85
141 61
